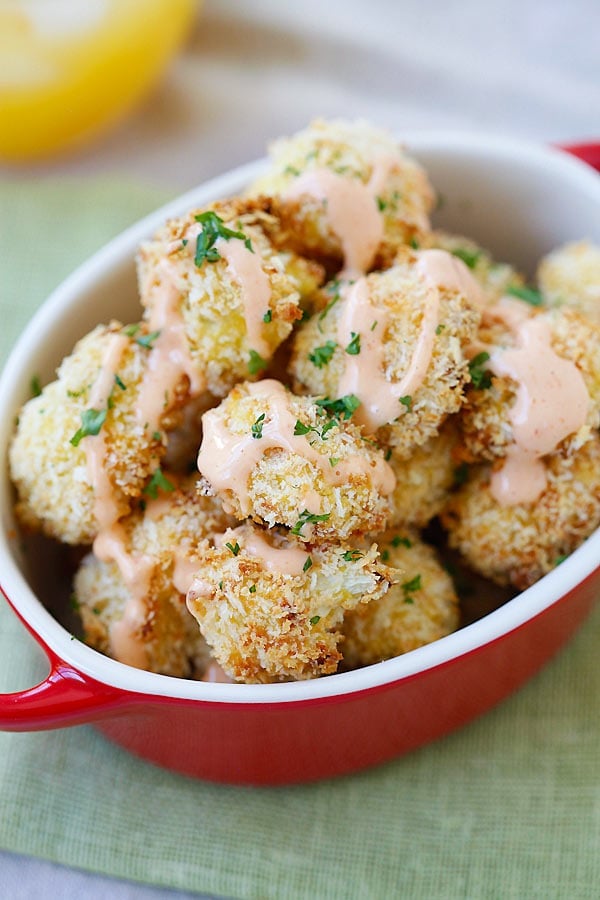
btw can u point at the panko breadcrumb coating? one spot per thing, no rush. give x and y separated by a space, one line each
294 461
271 607
518 544
485 418
570 276
51 474
494 277
425 478
385 197
233 301
156 548
420 608
399 298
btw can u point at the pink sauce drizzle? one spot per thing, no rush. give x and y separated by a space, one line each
245 268
551 403
226 459
277 558
446 270
351 210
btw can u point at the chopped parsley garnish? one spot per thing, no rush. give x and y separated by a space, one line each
397 541
374 325
291 170
353 347
529 295
92 421
481 378
252 589
385 556
381 204
158 482
256 363
257 427
406 401
414 243
307 565
342 408
439 328
220 585
333 289
213 228
300 428
147 340
333 461
119 382
35 386
156 436
131 330
461 473
308 518
388 454
409 587
315 619
351 555
321 356
233 548
468 256
560 559
268 316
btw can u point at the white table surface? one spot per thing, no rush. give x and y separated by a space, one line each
253 71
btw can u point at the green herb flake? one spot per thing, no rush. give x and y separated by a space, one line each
374 325
409 587
35 386
406 401
333 461
352 555
233 548
252 589
481 378
315 619
321 356
439 329
307 565
398 541
92 421
257 427
342 408
74 603
414 243
220 585
388 454
300 428
381 204
158 482
268 317
156 436
468 256
461 473
256 363
560 559
353 348
308 518
529 295
147 340
119 382
385 556
213 228
131 330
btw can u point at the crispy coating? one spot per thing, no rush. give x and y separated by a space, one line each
163 537
54 489
494 277
400 292
516 545
327 483
266 624
221 334
570 276
420 608
425 478
351 150
485 418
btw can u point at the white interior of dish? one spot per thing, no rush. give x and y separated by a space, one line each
517 199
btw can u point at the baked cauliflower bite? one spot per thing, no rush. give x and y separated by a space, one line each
347 194
87 420
294 461
215 280
517 544
271 607
495 278
396 340
130 593
570 276
420 608
487 416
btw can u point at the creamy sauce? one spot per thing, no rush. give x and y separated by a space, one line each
107 507
351 210
246 269
214 674
446 270
184 570
227 459
282 559
127 645
551 403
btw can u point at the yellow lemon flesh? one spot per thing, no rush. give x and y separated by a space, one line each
69 70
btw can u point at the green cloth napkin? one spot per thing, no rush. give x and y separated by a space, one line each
507 807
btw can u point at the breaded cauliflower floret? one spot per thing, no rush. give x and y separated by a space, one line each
420 608
425 478
518 544
270 607
132 599
495 278
486 416
385 350
48 463
234 294
570 276
386 194
294 461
